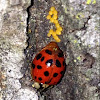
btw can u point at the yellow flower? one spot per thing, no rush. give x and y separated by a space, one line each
50 32
52 8
57 25
55 12
52 20
55 21
56 37
50 12
54 33
55 16
58 32
48 17
60 28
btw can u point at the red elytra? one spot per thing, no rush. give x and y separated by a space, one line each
48 65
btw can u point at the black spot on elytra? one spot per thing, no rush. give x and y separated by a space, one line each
38 56
55 74
42 58
46 73
35 77
39 67
33 65
48 52
40 78
60 54
48 81
62 72
58 64
49 62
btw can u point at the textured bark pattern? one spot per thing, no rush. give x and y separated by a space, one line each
79 42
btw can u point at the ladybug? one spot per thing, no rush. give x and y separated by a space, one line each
48 66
